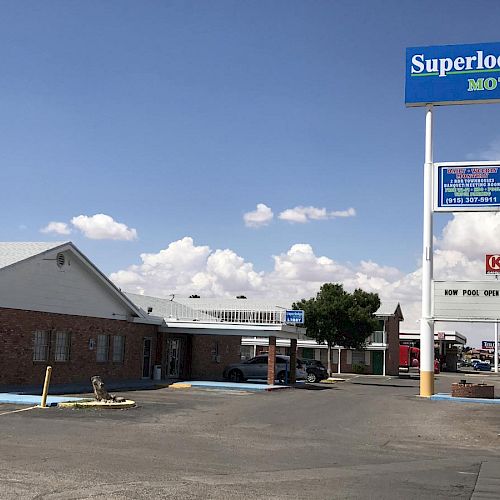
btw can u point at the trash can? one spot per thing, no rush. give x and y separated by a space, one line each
157 372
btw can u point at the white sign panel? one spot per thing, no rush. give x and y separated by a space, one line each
466 300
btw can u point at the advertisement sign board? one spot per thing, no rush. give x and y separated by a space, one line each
293 316
452 74
467 186
489 344
466 300
493 264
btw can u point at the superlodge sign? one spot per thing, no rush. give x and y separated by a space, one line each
452 74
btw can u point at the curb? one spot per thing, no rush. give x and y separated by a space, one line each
98 404
180 385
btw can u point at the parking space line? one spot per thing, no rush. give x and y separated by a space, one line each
17 411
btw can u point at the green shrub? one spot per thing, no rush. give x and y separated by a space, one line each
358 368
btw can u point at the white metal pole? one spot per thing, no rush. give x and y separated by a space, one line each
338 364
426 322
385 352
496 347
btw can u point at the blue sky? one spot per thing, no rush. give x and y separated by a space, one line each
176 118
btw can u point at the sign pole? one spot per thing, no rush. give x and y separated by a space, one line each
496 347
426 321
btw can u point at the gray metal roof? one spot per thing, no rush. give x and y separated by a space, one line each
12 252
161 307
389 309
165 308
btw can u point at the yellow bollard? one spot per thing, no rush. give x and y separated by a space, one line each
48 373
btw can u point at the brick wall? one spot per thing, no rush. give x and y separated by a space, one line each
483 391
392 354
16 347
211 353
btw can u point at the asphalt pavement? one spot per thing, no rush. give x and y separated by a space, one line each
367 437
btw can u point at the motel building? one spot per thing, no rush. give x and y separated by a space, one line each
380 356
448 346
57 308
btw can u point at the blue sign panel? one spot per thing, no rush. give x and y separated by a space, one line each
489 344
467 187
294 316
453 74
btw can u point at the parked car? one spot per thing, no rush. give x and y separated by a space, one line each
315 370
256 368
482 366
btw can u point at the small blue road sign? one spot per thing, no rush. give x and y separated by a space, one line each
293 316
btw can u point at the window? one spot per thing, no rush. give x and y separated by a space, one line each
307 353
246 352
61 350
358 357
335 356
377 337
118 348
40 346
102 350
260 360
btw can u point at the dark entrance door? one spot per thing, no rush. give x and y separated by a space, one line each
146 358
378 362
174 358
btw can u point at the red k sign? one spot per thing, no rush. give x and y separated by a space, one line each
493 264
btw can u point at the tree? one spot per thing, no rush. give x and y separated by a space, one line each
338 317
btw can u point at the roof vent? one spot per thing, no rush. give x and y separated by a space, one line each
60 259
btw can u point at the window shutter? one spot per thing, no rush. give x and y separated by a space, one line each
367 358
335 356
349 357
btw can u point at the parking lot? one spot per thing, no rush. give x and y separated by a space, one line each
367 437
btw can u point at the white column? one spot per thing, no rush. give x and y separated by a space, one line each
383 369
338 364
426 321
496 347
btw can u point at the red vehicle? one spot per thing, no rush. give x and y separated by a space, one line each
409 357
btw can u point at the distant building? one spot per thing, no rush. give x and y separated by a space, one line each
380 356
448 345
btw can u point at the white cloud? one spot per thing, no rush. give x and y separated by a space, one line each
491 153
350 212
185 268
473 234
56 227
302 214
103 227
262 216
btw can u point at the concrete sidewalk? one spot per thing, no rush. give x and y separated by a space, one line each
488 481
229 386
83 388
440 396
34 400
